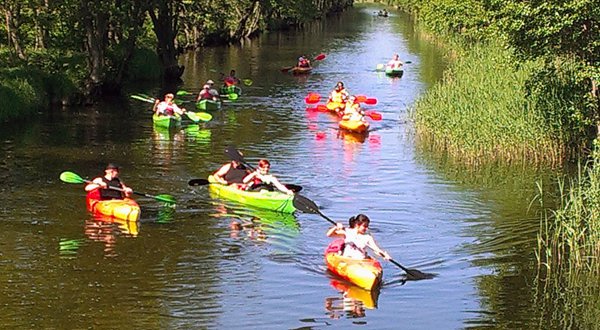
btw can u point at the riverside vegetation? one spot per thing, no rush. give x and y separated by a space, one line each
76 52
523 88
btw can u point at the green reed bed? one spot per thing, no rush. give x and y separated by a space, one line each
480 112
569 236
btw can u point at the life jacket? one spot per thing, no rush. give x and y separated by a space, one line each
303 63
230 81
338 96
111 193
236 175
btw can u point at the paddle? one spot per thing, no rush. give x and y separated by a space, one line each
70 177
204 182
312 98
234 154
373 115
193 116
366 100
381 67
306 205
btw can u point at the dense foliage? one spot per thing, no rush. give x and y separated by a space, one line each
94 46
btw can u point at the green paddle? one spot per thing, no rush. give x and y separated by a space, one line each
197 116
70 177
142 98
232 96
306 205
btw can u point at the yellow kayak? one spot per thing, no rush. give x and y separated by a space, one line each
365 273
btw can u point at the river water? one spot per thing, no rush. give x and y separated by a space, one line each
181 269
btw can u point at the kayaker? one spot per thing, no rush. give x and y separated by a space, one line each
338 97
395 62
167 107
231 79
212 89
261 178
353 111
205 94
303 62
232 173
356 240
110 179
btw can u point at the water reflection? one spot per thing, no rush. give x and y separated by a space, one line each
352 303
257 225
106 230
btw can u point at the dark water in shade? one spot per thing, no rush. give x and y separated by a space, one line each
182 269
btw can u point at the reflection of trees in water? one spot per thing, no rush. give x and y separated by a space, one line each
566 301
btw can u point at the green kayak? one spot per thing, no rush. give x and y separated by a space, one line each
166 121
233 89
208 105
394 72
264 199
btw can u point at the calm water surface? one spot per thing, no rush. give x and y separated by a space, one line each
60 268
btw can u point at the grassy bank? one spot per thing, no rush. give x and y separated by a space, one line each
481 111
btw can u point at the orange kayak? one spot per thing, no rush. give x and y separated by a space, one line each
335 106
365 273
125 209
357 126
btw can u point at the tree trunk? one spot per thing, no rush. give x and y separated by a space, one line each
12 29
95 23
165 28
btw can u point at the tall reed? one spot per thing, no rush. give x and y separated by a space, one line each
569 236
480 112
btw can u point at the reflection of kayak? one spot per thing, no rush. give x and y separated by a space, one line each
166 121
125 226
126 209
368 298
208 105
300 70
357 126
270 200
353 137
397 72
365 273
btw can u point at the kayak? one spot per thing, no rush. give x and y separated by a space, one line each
397 72
166 121
335 106
356 126
231 89
208 105
365 273
300 70
125 209
264 199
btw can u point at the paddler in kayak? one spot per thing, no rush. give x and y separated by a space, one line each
395 62
205 94
303 62
232 173
110 178
167 107
338 97
353 111
231 80
261 178
356 240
